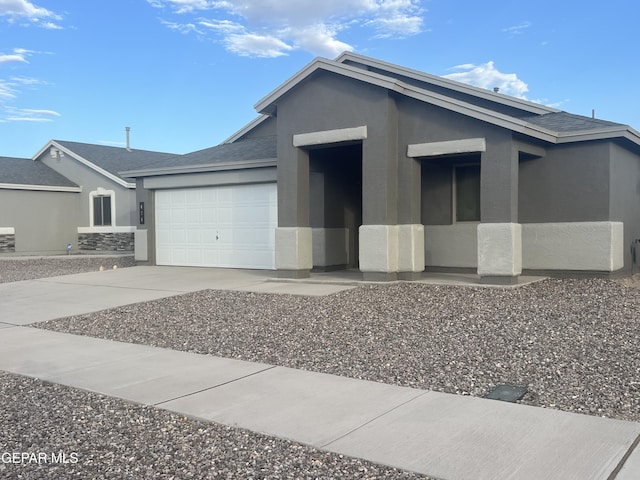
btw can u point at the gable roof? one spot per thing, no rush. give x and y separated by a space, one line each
106 160
501 110
26 174
247 153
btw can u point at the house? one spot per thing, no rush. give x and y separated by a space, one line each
358 163
70 193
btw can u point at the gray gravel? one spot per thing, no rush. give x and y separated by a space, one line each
15 268
572 343
105 438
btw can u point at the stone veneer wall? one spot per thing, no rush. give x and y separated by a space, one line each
111 242
8 242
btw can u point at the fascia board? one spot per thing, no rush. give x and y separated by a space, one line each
210 167
246 129
92 165
402 88
327 65
479 113
600 134
41 188
522 104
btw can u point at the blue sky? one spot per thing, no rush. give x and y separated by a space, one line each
185 74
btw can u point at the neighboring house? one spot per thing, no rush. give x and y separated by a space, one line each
358 163
39 208
70 193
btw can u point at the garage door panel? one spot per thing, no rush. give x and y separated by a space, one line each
227 226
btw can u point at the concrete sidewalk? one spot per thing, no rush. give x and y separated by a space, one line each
441 435
444 436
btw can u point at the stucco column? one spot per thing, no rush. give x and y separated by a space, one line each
378 235
499 234
411 240
293 240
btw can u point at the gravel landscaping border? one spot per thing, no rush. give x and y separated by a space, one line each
105 438
572 342
17 268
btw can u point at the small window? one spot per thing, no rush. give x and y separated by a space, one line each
467 193
102 210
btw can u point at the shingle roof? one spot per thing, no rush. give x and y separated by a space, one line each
24 171
115 159
568 122
261 148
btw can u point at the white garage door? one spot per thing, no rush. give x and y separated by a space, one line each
227 226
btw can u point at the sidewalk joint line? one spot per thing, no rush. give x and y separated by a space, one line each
270 367
623 460
374 419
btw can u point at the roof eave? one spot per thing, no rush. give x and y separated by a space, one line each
202 168
514 102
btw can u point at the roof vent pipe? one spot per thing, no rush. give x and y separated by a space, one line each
128 130
496 89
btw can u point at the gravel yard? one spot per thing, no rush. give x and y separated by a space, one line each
573 343
15 269
105 438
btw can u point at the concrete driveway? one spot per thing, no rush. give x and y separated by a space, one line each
32 301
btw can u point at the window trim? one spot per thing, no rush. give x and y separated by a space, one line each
102 192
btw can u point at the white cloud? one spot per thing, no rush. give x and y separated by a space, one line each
29 115
14 57
487 76
252 45
24 9
517 29
277 27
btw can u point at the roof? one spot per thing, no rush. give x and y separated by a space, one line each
251 152
24 172
528 118
106 160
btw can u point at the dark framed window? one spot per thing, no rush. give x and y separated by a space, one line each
102 211
467 193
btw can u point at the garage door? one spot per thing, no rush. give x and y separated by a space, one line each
227 226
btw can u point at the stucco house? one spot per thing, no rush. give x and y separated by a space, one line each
70 193
358 163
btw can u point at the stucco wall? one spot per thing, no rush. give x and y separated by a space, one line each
569 184
625 196
90 181
44 222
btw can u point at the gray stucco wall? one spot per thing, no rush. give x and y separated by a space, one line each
330 102
569 184
90 180
44 222
625 197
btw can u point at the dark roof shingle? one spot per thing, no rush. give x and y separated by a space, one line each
115 159
24 171
568 122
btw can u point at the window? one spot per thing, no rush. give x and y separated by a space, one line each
102 210
467 193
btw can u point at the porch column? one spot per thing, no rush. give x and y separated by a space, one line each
378 235
410 229
499 233
293 235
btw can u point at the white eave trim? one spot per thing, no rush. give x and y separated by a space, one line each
41 188
246 129
267 104
514 102
86 162
209 167
467 145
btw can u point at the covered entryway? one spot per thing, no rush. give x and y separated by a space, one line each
335 183
223 226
